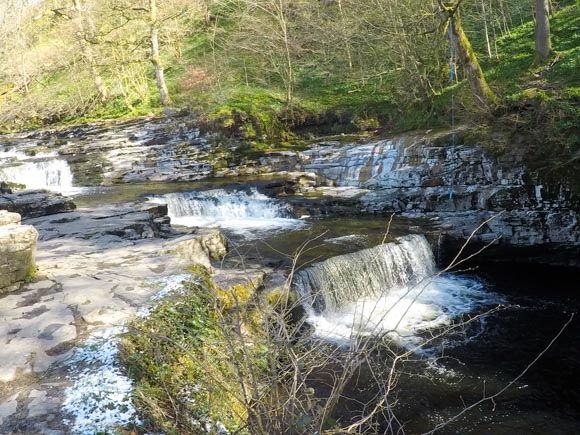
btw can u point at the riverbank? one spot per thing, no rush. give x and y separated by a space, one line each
96 269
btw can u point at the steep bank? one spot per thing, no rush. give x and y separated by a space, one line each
462 185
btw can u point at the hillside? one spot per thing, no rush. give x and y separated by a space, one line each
270 71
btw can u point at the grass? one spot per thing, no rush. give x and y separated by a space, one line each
177 357
325 105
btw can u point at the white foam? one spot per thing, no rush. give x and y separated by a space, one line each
357 239
243 212
403 313
12 155
54 175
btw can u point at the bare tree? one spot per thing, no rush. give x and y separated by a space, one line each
155 57
84 41
266 31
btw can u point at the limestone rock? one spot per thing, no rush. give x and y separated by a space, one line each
35 203
201 248
109 225
17 249
413 174
7 218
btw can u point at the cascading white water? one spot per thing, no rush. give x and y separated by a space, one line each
389 289
347 278
54 175
237 210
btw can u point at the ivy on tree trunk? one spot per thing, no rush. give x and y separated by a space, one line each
468 59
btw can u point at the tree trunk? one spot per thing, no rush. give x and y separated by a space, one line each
287 52
469 61
542 37
345 36
155 58
87 52
486 32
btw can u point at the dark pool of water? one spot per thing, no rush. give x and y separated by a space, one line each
546 399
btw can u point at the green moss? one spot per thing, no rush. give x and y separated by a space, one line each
237 296
31 272
15 186
314 194
282 297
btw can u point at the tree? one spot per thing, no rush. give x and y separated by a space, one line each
83 38
467 56
266 34
155 57
542 36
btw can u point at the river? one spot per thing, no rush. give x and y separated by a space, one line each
523 308
510 312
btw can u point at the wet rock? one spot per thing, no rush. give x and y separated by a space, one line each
8 408
17 249
108 226
4 187
415 175
281 161
35 203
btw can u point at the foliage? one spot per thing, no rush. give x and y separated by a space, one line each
202 360
274 70
179 358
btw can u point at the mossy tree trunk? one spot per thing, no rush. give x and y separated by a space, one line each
542 37
468 59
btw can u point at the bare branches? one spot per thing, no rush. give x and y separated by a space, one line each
492 397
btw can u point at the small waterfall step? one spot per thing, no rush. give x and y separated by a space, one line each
391 289
367 273
237 210
50 174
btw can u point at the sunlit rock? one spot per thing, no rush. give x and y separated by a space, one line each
17 249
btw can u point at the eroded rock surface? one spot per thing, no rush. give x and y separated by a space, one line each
208 245
35 203
97 268
415 175
17 250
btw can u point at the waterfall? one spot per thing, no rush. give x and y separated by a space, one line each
52 175
238 210
337 281
390 289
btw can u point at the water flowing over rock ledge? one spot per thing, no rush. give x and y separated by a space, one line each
410 174
414 175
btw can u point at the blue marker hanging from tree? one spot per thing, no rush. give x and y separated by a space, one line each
452 83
